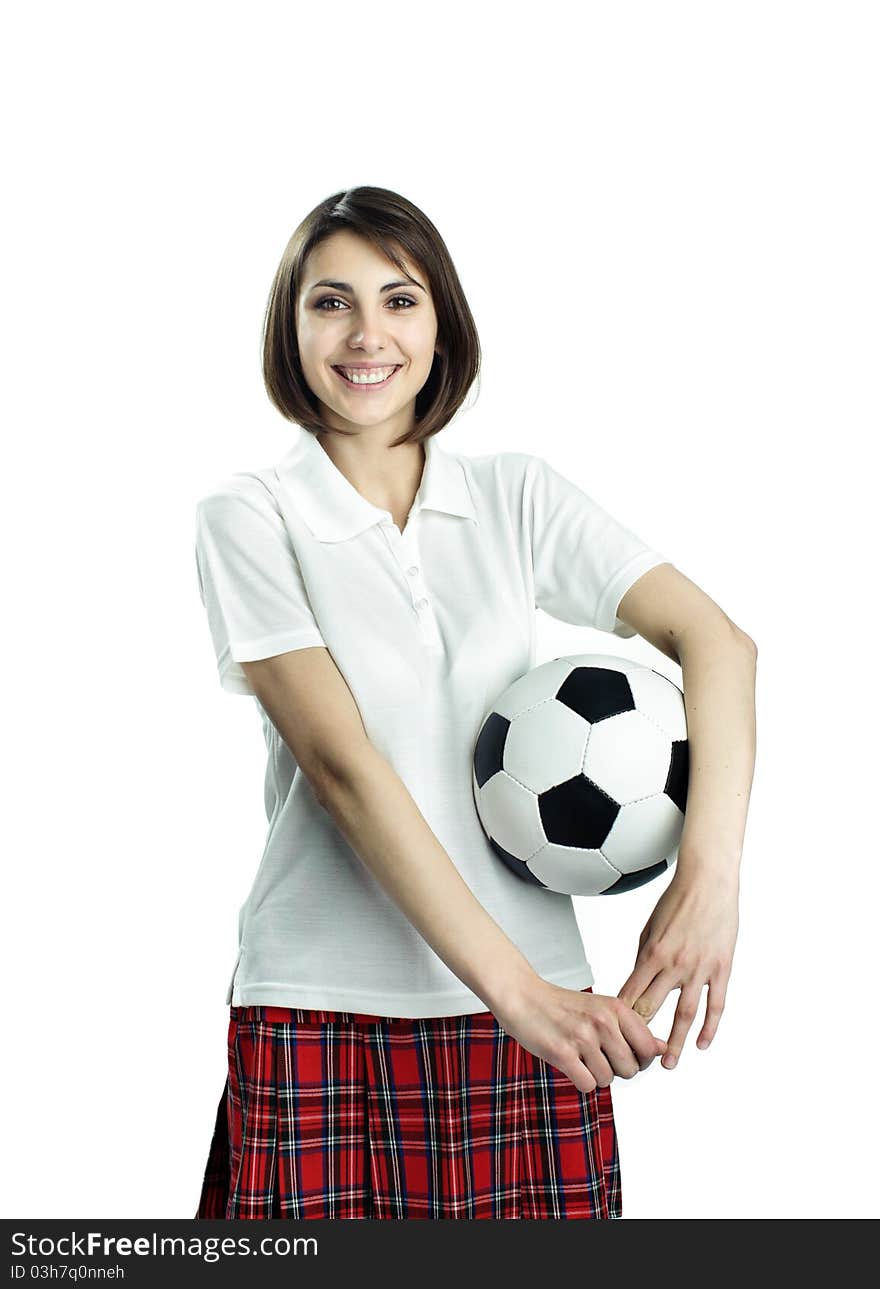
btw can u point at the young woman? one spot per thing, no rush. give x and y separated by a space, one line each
413 1032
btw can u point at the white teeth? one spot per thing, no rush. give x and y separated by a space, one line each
360 377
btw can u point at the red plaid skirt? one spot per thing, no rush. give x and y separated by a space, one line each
347 1115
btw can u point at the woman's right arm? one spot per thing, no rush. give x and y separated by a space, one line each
314 711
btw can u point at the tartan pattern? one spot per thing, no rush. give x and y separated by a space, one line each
349 1115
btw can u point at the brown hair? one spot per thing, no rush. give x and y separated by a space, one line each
393 224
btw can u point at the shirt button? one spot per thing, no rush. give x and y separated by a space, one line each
411 572
421 604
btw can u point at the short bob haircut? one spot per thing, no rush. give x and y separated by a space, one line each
393 224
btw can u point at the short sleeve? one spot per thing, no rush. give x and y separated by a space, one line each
584 560
250 581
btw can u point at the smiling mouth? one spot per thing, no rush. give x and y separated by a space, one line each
366 379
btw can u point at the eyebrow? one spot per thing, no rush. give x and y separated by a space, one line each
346 286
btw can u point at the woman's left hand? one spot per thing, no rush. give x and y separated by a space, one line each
687 941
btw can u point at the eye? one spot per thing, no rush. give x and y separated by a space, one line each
335 299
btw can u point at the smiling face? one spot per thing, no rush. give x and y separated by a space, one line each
358 314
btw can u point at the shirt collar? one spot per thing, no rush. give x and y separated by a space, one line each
333 509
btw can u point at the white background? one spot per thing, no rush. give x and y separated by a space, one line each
665 219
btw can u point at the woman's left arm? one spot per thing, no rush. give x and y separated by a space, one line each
689 939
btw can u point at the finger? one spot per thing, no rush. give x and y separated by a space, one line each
572 1066
597 1063
581 1076
684 1016
621 1057
645 1045
714 1007
654 996
638 982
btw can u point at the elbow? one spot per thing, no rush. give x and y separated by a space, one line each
723 633
331 775
326 789
747 641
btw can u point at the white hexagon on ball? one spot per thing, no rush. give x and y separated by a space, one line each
544 744
656 817
622 776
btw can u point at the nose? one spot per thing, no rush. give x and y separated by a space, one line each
367 330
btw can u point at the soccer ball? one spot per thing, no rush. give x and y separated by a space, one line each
580 774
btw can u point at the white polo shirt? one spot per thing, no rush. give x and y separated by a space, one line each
428 627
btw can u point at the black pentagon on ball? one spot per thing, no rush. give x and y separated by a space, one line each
577 813
677 778
628 881
489 750
596 693
516 865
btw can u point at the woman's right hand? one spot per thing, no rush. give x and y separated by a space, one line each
589 1037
